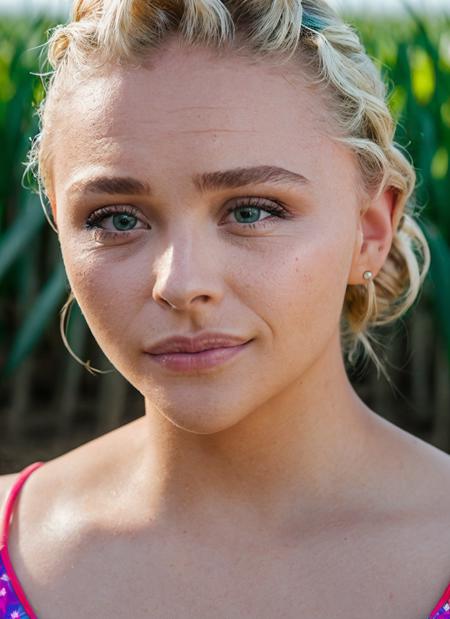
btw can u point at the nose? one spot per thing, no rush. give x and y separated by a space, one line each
187 277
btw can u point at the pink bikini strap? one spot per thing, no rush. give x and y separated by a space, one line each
444 598
10 500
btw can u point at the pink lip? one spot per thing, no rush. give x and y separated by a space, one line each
205 359
197 343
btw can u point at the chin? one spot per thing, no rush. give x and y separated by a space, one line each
201 423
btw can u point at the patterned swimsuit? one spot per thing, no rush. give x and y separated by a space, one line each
13 601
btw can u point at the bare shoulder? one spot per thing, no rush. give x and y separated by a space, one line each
415 480
68 489
418 472
55 514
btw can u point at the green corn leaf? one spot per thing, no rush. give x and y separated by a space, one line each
423 75
440 276
20 233
439 163
39 316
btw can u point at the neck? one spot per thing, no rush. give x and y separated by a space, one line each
300 452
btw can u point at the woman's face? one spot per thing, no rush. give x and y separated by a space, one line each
276 277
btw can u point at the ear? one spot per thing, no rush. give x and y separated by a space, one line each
376 229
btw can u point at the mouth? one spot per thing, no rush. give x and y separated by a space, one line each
201 360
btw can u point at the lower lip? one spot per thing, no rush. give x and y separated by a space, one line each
183 362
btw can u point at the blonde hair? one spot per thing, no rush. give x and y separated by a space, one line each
332 57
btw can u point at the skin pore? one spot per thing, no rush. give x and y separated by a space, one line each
263 487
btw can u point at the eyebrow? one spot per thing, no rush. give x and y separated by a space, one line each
206 181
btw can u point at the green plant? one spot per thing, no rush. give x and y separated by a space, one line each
416 63
27 298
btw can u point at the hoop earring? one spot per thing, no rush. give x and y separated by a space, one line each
67 308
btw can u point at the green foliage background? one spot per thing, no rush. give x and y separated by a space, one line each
414 55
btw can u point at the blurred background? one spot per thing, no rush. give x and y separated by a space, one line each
50 404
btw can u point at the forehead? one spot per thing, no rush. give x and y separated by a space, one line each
186 108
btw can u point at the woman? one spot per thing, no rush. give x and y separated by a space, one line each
223 178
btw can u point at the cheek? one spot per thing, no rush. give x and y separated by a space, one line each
104 287
293 284
299 285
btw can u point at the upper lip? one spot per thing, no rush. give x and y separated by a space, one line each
203 341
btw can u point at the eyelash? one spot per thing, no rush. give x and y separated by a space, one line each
275 209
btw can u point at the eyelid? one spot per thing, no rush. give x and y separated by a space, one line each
109 210
272 207
257 200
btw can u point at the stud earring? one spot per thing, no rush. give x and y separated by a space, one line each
367 274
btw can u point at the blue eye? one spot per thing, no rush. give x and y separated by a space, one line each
122 216
125 218
250 208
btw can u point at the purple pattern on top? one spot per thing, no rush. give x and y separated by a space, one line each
10 607
443 612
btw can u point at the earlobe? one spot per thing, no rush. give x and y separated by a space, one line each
375 234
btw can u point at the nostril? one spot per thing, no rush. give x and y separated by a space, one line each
171 306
